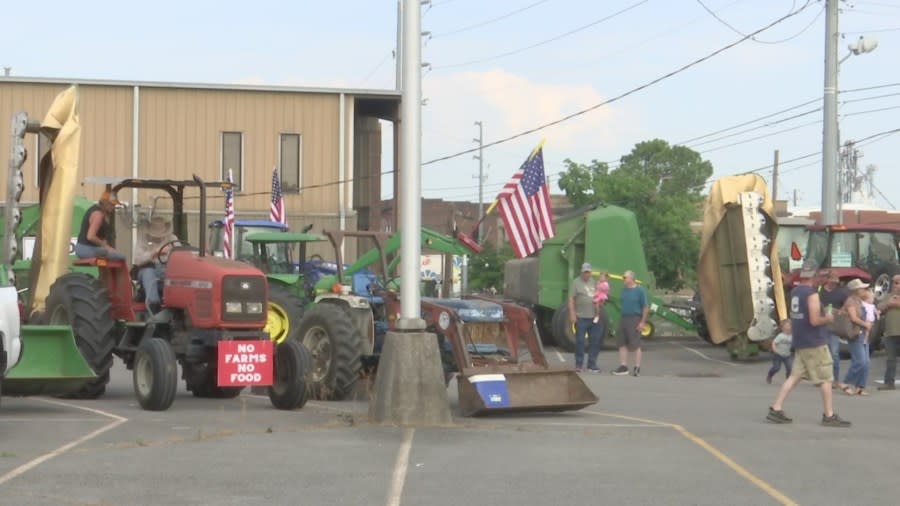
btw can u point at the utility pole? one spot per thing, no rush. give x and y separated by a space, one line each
775 178
795 197
398 52
829 108
409 387
480 158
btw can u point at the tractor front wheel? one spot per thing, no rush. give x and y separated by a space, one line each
77 300
285 312
155 374
328 333
292 362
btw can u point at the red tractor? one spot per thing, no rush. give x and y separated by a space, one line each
870 252
212 319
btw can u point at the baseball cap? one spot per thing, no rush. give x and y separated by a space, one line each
586 267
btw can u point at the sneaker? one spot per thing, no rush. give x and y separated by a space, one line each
636 371
778 416
834 421
887 386
594 370
622 370
578 368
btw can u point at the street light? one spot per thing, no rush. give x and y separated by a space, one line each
829 214
862 45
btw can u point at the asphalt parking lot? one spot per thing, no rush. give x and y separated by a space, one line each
690 430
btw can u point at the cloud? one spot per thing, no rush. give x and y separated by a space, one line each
510 103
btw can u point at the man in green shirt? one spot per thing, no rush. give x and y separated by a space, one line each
635 310
890 311
581 315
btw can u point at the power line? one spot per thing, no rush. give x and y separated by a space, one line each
745 123
745 141
786 39
880 109
622 95
543 42
875 87
874 97
489 21
758 127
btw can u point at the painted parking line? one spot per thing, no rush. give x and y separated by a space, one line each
704 356
740 470
398 477
24 468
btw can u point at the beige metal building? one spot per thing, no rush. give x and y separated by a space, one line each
325 142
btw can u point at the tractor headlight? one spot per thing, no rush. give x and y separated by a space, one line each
233 307
255 307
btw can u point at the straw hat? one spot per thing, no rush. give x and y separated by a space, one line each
159 227
856 284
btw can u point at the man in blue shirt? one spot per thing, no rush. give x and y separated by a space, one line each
635 310
812 358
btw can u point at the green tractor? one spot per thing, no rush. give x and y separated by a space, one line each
39 353
329 321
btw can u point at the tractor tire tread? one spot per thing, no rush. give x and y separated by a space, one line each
89 307
345 344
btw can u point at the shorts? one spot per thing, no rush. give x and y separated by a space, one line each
814 364
627 333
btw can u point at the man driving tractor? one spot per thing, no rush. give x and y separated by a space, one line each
158 242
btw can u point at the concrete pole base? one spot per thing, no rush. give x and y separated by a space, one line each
409 384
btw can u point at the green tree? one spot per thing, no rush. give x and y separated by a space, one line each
486 268
663 186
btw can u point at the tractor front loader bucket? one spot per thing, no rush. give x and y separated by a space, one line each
50 363
521 380
482 392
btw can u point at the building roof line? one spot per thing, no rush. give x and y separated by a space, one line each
375 93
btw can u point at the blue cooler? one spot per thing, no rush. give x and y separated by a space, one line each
492 389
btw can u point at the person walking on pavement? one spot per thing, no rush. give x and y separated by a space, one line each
812 358
635 310
581 315
781 352
833 294
890 311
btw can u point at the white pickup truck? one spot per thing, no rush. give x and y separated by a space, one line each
10 340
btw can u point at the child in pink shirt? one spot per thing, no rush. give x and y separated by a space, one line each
601 294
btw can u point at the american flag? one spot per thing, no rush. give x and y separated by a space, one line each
525 207
229 217
276 210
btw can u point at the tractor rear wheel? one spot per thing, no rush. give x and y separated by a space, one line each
328 333
292 363
563 333
155 374
202 381
77 300
285 312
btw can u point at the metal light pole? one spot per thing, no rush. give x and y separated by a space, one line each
411 167
829 108
480 157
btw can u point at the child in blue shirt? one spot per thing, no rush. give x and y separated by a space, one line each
781 351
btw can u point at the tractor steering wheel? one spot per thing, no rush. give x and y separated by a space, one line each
163 256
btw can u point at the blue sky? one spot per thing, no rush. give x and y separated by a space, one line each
349 44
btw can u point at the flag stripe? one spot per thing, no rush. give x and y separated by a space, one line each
525 207
228 239
276 209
